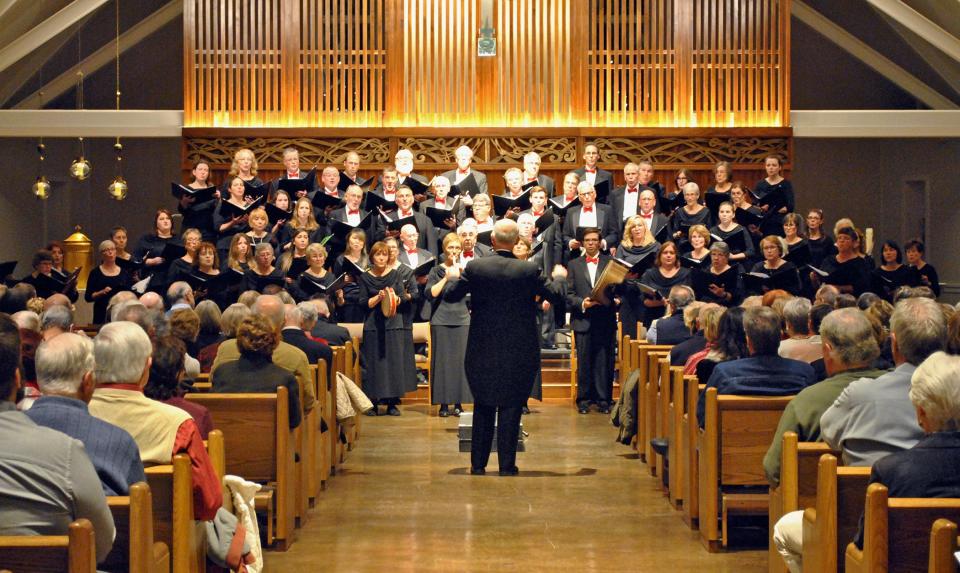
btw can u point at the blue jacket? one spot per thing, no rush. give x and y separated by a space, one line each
112 450
768 375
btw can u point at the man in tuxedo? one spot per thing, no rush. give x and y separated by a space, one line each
590 172
531 173
291 170
351 171
428 236
503 345
594 326
352 214
442 200
387 188
646 179
413 256
403 161
589 214
464 156
655 221
625 199
329 181
470 249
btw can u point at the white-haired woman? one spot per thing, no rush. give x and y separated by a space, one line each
105 281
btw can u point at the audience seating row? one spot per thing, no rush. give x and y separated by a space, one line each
716 472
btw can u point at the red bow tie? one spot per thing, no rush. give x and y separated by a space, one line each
407 214
353 212
588 209
467 254
649 216
440 202
293 175
332 193
413 252
540 214
631 189
594 170
593 260
463 171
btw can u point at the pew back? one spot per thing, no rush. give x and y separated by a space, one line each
75 552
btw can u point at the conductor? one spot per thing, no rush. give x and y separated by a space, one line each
503 344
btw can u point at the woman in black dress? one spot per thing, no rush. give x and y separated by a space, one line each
353 261
665 275
846 270
298 250
105 281
390 368
262 273
798 250
637 244
449 324
62 274
732 233
150 248
783 274
692 213
928 274
302 219
181 268
722 183
774 182
226 223
821 243
45 281
698 241
199 215
316 255
259 223
892 274
721 283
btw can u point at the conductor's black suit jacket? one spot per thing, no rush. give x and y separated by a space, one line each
503 345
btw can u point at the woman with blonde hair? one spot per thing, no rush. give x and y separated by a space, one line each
782 273
637 245
449 323
239 255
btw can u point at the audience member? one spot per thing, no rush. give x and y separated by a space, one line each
763 373
827 294
185 325
682 352
65 374
27 320
152 300
848 349
800 343
229 321
671 329
57 299
285 355
254 370
63 484
294 335
709 320
165 382
731 342
122 353
55 321
180 296
326 328
209 315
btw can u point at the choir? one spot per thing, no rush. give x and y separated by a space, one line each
399 237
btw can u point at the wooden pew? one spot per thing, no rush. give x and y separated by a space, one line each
134 548
737 433
662 400
320 441
259 445
798 486
895 531
641 360
647 398
832 521
75 552
943 545
691 478
677 434
172 489
624 356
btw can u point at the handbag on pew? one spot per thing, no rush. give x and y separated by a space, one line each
227 545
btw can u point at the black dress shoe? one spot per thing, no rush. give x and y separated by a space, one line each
444 412
510 472
457 411
477 471
583 407
393 411
604 409
372 412
526 410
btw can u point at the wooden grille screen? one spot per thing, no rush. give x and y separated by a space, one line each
396 63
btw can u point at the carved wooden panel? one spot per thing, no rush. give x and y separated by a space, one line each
691 150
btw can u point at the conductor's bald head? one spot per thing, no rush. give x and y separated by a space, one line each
505 234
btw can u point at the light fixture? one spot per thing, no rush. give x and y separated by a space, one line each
118 187
41 187
80 168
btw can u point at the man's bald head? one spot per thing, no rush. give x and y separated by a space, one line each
271 307
152 300
56 299
505 234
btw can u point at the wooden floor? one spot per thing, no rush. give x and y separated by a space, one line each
404 501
